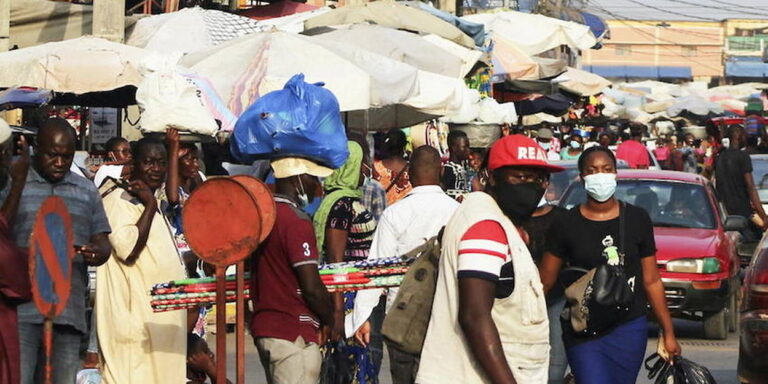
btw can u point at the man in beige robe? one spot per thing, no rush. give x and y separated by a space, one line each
137 345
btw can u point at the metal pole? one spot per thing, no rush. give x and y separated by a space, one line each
221 324
48 350
240 324
5 25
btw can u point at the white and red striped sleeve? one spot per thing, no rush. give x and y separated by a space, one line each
483 250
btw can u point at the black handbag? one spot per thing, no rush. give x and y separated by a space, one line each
602 296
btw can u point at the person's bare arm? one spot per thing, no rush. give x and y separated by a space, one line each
476 298
549 269
144 224
18 173
754 198
314 292
97 251
335 245
172 177
655 291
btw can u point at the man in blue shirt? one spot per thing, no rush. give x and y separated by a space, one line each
50 176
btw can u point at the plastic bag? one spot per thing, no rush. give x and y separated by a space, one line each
88 376
683 371
337 368
301 120
168 99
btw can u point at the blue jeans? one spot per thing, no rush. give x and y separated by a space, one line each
66 353
558 361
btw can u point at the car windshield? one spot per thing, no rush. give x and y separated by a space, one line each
669 203
760 174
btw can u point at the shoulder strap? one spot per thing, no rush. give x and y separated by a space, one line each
622 213
397 177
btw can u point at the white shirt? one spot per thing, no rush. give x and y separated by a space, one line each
113 171
403 227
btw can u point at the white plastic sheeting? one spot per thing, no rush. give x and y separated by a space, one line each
535 33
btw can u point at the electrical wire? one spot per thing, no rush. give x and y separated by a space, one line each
711 7
672 12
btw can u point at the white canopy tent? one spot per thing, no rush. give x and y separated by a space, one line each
533 33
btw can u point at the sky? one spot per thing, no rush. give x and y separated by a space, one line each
677 10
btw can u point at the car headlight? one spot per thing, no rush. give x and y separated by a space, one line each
702 265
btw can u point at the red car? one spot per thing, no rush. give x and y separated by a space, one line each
695 241
753 341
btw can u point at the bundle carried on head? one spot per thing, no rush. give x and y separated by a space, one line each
301 120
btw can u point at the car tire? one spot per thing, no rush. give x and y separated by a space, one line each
733 311
716 325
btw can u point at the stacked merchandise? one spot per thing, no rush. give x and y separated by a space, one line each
190 293
365 274
337 277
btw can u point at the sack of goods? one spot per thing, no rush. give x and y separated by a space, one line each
169 100
301 120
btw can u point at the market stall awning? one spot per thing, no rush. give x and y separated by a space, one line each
639 71
392 15
189 30
596 24
582 83
746 67
277 9
535 33
474 30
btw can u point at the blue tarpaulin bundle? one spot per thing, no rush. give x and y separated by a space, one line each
301 120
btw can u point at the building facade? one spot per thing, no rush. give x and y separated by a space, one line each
665 50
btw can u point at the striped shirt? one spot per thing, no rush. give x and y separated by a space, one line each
88 218
484 254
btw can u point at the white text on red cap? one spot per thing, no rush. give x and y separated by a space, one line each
531 153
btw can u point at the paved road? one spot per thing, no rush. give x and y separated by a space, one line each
720 356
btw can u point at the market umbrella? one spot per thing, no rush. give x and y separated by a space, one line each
406 47
535 33
189 30
277 9
82 65
243 69
392 15
581 82
475 30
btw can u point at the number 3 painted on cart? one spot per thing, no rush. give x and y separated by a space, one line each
307 252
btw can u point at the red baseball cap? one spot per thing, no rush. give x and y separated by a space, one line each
519 151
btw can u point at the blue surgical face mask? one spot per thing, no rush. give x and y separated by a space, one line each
575 144
600 186
544 146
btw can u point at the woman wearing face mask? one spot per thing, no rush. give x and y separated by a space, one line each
574 148
344 230
585 237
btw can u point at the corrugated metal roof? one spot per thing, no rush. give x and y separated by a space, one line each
679 10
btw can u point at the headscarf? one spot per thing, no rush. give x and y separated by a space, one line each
343 182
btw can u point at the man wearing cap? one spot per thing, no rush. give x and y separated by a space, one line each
489 308
547 142
290 302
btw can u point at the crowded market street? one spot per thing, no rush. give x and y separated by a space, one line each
389 191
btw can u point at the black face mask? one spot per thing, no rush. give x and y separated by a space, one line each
518 201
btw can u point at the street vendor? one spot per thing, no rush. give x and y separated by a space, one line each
290 302
137 345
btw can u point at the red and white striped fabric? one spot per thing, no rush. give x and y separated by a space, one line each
483 250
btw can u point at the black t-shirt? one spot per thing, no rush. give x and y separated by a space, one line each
537 229
730 168
584 243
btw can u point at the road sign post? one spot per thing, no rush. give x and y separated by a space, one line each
51 251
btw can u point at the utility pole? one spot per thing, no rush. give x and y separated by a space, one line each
109 19
5 25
